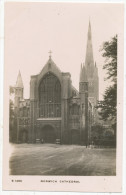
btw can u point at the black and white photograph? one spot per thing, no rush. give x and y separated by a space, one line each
63 65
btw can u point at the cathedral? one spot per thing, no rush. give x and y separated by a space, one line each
56 112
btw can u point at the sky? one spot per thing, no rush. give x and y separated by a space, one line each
32 29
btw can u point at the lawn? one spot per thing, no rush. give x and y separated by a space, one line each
51 159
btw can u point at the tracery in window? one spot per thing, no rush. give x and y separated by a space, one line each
50 96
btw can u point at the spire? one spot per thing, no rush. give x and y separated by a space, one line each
89 61
81 66
19 82
89 30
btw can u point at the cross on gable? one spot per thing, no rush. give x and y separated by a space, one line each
50 52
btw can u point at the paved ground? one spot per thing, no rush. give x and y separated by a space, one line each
51 159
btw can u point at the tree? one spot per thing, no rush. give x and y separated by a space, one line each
108 106
11 90
11 116
109 49
11 104
97 132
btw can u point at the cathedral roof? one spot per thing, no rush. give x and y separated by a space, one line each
75 91
19 82
50 66
52 63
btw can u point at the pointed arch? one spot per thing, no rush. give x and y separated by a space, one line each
49 96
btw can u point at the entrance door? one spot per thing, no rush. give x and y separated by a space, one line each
48 134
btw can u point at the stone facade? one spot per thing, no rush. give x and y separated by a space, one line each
55 109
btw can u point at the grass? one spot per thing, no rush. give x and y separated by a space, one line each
51 159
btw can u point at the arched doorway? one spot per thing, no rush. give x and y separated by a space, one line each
48 134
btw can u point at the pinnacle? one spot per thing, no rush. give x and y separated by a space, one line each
83 74
19 82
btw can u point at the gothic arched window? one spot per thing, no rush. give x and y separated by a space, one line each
50 96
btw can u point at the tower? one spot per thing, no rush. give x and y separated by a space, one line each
92 71
18 90
83 91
